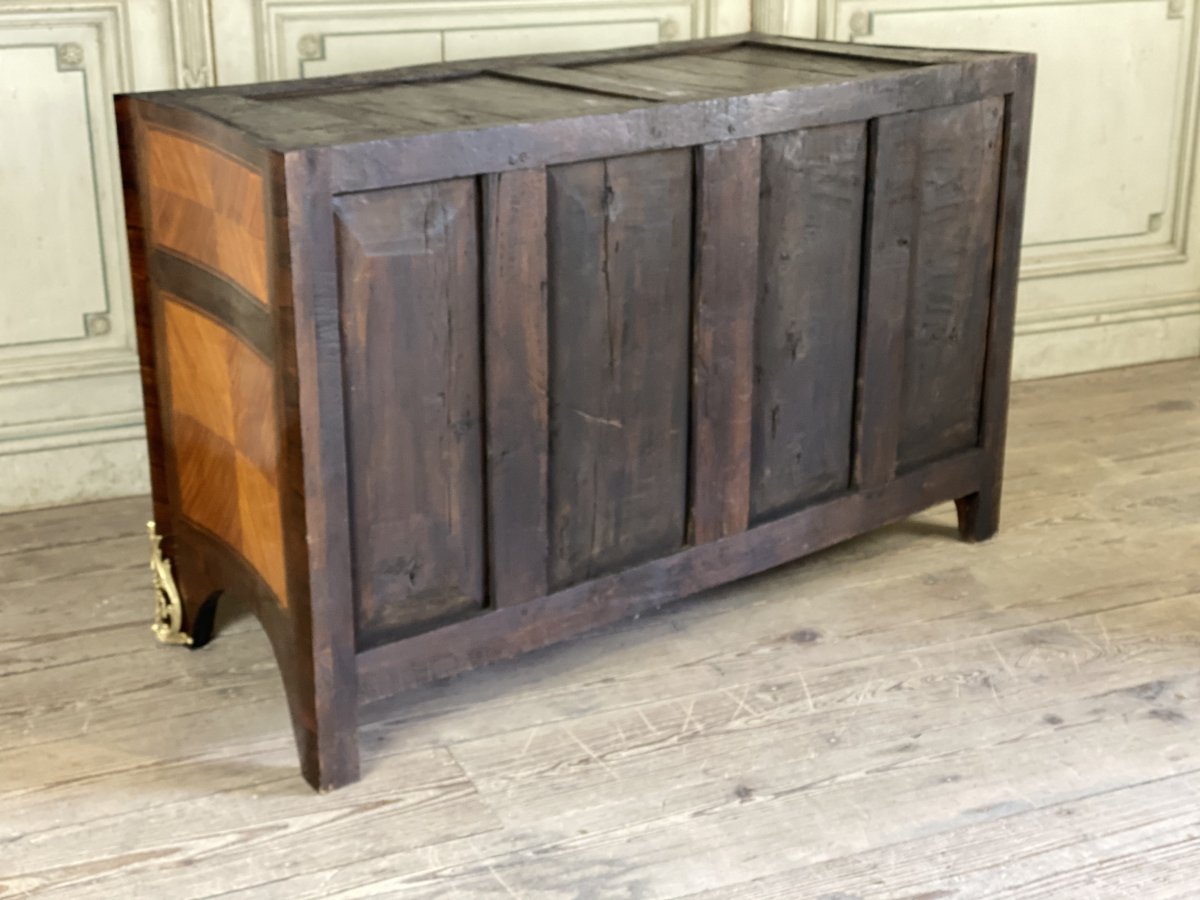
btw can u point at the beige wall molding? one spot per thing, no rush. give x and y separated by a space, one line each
192 33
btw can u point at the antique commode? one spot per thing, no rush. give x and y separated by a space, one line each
447 363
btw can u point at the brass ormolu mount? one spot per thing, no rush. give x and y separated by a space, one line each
168 613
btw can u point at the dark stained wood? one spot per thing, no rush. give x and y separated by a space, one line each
517 358
813 183
959 178
306 269
725 282
979 513
517 348
582 80
818 66
367 160
887 247
619 262
576 610
908 55
697 76
409 288
216 297
476 102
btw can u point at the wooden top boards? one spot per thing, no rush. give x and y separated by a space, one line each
398 103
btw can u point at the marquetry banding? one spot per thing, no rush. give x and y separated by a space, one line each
225 435
208 207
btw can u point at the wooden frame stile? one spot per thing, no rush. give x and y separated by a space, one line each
725 286
979 513
516 359
306 256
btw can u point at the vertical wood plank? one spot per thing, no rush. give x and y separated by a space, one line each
979 514
959 179
326 719
892 221
411 350
516 354
813 182
725 283
619 314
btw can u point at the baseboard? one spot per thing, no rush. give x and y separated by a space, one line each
1106 336
95 466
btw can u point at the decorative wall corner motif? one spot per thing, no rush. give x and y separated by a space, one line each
70 56
311 47
860 23
193 43
96 324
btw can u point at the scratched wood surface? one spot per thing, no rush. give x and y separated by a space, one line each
901 716
409 283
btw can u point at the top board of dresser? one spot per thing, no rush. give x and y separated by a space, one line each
738 84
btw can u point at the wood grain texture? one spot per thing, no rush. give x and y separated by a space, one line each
209 207
1016 718
222 300
409 288
636 589
225 438
619 264
724 287
887 246
979 515
517 359
324 690
950 283
582 79
813 183
367 157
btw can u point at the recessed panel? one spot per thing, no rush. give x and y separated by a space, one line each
409 295
806 327
955 188
620 307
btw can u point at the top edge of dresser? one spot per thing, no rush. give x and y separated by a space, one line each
479 94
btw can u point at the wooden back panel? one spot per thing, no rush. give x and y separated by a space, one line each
554 374
409 289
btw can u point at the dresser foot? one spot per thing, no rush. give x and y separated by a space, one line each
203 621
328 752
978 515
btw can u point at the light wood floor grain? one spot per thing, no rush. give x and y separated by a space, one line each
905 716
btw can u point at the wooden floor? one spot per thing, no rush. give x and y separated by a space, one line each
904 716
